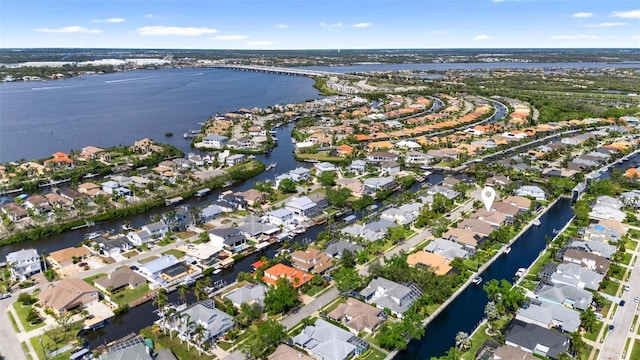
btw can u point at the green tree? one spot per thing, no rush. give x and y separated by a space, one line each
581 210
463 342
347 279
391 336
588 320
338 197
440 203
33 317
281 297
248 314
348 259
263 339
287 186
327 178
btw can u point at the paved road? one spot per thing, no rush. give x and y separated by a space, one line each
615 340
9 344
310 308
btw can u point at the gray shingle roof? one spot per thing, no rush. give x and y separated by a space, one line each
536 339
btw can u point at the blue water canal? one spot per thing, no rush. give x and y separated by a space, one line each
466 311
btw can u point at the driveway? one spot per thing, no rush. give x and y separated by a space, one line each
9 344
307 310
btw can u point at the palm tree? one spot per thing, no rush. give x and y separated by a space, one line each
587 319
183 325
161 301
463 341
199 332
171 314
182 293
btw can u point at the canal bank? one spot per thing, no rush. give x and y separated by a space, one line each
465 309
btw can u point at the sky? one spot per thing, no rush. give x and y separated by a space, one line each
319 24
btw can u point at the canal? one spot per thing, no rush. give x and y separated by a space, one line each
467 310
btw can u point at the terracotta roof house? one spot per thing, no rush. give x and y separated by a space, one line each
311 260
297 277
253 196
59 158
64 257
14 211
358 316
434 262
463 236
68 294
120 279
345 150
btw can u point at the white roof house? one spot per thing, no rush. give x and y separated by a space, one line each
532 191
325 166
24 263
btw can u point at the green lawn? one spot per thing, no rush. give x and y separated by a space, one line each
126 296
314 290
626 258
147 259
50 346
586 352
537 266
630 244
175 252
224 345
22 312
374 354
634 233
593 335
130 254
333 305
611 288
92 278
635 353
165 241
179 350
478 338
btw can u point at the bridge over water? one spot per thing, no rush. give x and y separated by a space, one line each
278 70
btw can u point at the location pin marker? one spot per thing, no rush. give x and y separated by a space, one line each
488 195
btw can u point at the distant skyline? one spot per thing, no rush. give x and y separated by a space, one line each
319 24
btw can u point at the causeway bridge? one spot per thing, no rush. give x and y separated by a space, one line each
277 70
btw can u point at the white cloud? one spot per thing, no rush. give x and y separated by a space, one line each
260 42
582 15
631 14
608 24
331 26
282 26
635 36
575 37
148 16
230 37
109 20
482 37
175 30
497 1
361 25
69 29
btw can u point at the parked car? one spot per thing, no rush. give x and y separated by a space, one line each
636 299
627 287
133 267
611 327
4 296
622 302
82 264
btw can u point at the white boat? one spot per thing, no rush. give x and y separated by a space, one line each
477 280
521 272
217 271
536 222
507 250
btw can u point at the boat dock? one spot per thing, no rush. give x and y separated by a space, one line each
202 192
173 201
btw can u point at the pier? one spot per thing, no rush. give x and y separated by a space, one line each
278 70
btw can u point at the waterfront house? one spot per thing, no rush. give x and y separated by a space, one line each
253 228
617 226
491 217
90 152
14 211
167 271
68 294
417 158
389 168
593 247
300 174
607 212
67 256
549 315
215 141
631 198
296 277
326 341
237 202
358 167
135 351
370 231
120 279
598 232
253 196
536 339
285 352
232 239
371 185
477 226
311 260
358 316
154 267
90 189
345 150
38 203
388 294
241 143
138 238
24 263
280 217
434 262
210 212
446 191
157 229
204 313
464 237
381 156
565 295
235 159
110 186
247 294
113 245
302 208
325 166
575 275
531 191
335 248
587 260
448 249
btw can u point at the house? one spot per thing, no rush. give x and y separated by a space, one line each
285 352
358 167
371 185
247 294
531 191
302 207
389 168
138 238
565 295
280 217
68 294
252 196
311 260
135 351
335 248
477 226
358 316
215 141
370 231
631 198
325 166
167 271
253 228
434 262
607 212
237 202
498 181
446 191
300 174
113 245
234 159
242 143
448 249
549 315
110 186
204 313
536 339
384 293
519 201
381 156
592 247
326 341
296 277
38 204
157 229
506 352
155 267
599 232
405 214
122 278
65 257
417 158
231 239
345 150
14 211
24 263
210 212
71 195
586 260
463 236
575 275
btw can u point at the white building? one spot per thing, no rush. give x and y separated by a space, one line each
24 263
280 217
